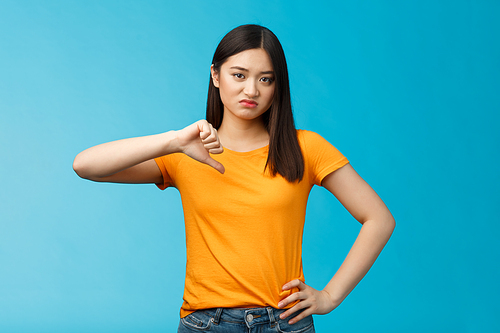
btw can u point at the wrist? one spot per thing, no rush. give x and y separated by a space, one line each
333 297
170 143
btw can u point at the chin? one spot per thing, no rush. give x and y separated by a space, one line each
252 116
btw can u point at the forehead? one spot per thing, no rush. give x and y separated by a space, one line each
253 60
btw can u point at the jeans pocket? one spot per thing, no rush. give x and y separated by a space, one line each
198 321
305 325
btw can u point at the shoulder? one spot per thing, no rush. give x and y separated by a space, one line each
309 139
168 163
320 156
317 147
171 159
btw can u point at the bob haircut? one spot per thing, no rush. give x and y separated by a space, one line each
285 156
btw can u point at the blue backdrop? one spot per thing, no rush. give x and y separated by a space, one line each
408 91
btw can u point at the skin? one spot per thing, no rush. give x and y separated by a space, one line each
248 75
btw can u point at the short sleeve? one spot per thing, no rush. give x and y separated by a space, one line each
164 164
321 157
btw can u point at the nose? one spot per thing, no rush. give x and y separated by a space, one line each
251 89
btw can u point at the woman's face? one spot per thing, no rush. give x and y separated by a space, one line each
246 84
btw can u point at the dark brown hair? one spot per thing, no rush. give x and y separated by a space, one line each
285 156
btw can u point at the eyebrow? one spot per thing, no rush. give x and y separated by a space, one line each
244 69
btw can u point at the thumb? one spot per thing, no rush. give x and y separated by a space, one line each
216 165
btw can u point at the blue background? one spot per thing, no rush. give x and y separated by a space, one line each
408 91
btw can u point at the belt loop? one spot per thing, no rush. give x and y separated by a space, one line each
216 318
270 311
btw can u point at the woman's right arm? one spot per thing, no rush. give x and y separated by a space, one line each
131 160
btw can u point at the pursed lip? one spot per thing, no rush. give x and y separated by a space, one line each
248 103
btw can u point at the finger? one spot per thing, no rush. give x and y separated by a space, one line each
212 145
205 129
290 299
292 310
218 150
212 137
300 316
293 284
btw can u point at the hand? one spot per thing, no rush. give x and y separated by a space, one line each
310 299
198 140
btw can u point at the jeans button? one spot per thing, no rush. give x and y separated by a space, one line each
249 317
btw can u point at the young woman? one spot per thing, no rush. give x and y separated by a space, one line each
244 175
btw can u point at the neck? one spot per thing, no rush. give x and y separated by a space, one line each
243 135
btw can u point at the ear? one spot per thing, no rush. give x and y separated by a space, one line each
215 76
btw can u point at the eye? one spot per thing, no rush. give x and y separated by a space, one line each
239 76
267 80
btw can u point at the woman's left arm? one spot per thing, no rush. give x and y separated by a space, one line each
378 223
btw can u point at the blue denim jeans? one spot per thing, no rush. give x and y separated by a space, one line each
254 320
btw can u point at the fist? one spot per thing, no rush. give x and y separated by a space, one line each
198 141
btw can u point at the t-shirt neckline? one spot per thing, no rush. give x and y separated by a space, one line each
247 153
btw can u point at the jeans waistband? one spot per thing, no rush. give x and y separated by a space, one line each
249 316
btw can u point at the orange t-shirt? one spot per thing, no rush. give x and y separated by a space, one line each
244 227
